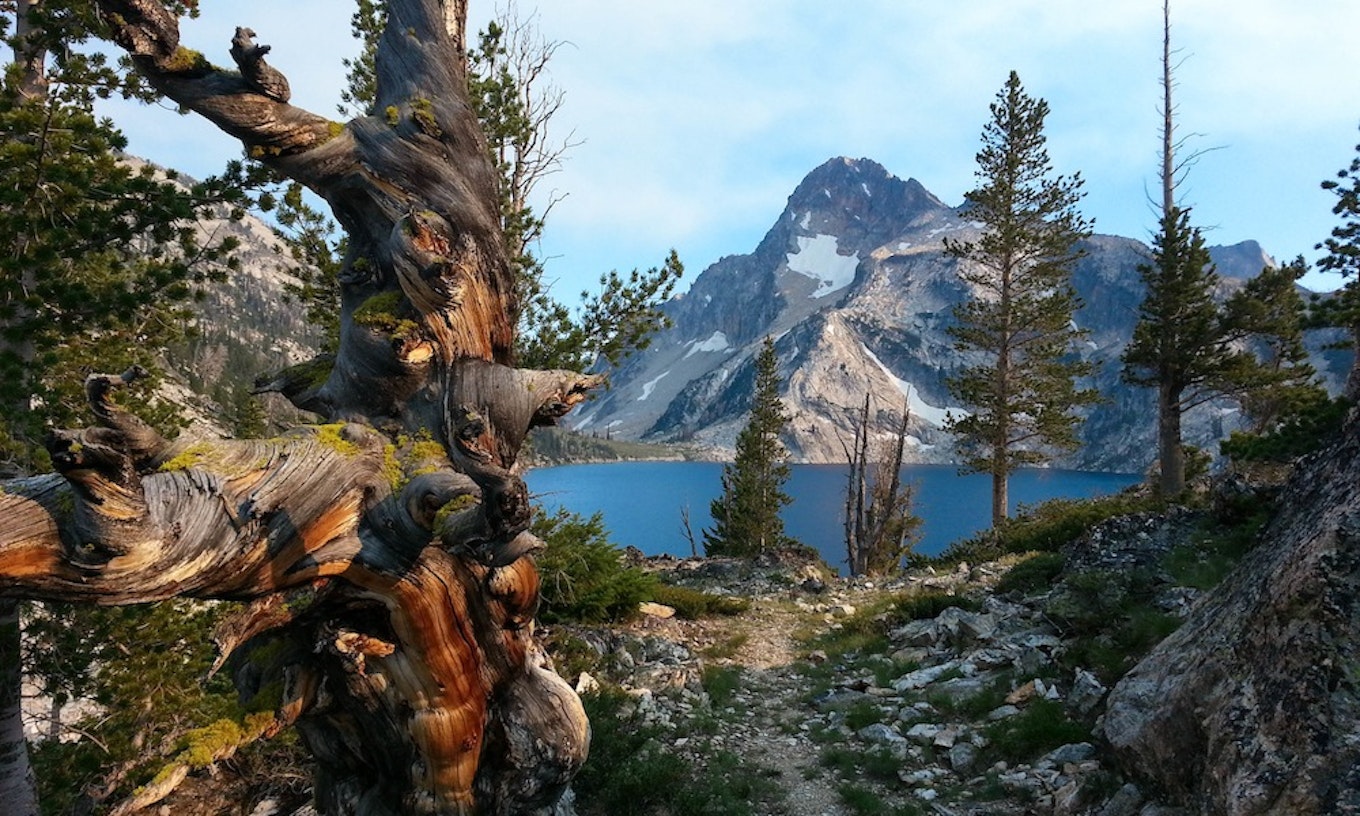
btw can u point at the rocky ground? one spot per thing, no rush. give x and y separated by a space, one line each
822 687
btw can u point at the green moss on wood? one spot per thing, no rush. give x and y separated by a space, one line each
381 313
329 435
455 505
393 115
422 111
193 456
186 60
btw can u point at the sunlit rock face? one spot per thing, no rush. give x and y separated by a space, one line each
1253 705
853 282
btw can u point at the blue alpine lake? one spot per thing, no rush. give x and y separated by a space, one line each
643 502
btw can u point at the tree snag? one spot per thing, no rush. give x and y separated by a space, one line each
384 554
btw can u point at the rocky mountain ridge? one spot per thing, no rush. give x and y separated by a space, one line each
853 283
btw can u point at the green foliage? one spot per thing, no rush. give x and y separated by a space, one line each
721 683
146 665
923 604
1110 616
874 763
1047 527
863 713
632 771
1039 728
746 519
99 262
1021 400
584 577
1210 556
1343 250
1034 574
1310 427
610 324
693 604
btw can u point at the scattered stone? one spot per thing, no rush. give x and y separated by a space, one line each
1072 752
1087 692
962 757
960 688
817 657
838 700
923 677
1002 712
880 734
1125 802
924 733
656 610
1023 694
586 684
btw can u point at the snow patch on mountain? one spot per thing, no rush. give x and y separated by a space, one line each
715 343
650 386
917 406
817 258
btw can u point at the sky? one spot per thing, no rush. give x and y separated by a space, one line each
693 120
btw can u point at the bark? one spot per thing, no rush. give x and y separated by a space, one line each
17 788
384 554
1170 451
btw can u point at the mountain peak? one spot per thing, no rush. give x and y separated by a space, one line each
840 180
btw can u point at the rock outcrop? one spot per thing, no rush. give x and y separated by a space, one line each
853 283
1253 705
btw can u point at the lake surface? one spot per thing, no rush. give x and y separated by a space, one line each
642 502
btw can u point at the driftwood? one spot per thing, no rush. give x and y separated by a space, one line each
383 555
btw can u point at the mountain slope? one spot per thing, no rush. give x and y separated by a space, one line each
853 283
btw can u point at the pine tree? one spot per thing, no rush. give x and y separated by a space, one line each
1184 343
746 519
99 265
1343 256
1022 399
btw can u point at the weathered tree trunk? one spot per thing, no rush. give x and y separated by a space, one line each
1170 452
17 789
384 554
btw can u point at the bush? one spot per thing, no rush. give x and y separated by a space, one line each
1046 527
1303 433
692 604
1037 572
1040 728
583 574
924 605
632 770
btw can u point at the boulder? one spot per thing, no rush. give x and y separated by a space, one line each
1253 705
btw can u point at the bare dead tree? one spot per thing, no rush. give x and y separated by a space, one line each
382 555
880 526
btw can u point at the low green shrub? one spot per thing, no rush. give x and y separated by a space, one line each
920 605
693 604
1046 527
1207 560
632 770
1038 729
1308 430
721 683
583 575
1035 573
864 802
